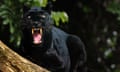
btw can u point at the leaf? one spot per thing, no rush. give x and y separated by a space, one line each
114 7
12 30
3 6
108 53
41 3
21 1
64 17
86 9
18 40
57 16
3 12
6 21
12 38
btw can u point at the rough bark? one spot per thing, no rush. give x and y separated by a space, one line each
10 61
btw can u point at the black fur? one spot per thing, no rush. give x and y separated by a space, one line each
58 52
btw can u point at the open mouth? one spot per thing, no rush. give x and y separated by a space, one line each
37 35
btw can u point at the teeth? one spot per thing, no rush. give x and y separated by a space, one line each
32 30
37 29
40 30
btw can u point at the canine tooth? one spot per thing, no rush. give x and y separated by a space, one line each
40 30
32 30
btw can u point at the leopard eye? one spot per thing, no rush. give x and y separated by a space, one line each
43 16
29 17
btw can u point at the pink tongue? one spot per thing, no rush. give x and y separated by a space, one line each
37 38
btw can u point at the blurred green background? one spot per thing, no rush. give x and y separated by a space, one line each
96 22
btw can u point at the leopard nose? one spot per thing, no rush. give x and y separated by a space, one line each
37 24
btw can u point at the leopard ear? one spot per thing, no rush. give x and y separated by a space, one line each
49 6
25 9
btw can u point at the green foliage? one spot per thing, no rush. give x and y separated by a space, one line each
117 69
100 25
11 12
42 3
59 16
86 9
114 7
108 53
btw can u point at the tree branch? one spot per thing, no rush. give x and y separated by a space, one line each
10 61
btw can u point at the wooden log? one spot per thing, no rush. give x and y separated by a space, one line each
10 61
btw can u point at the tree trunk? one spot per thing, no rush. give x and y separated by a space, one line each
10 61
